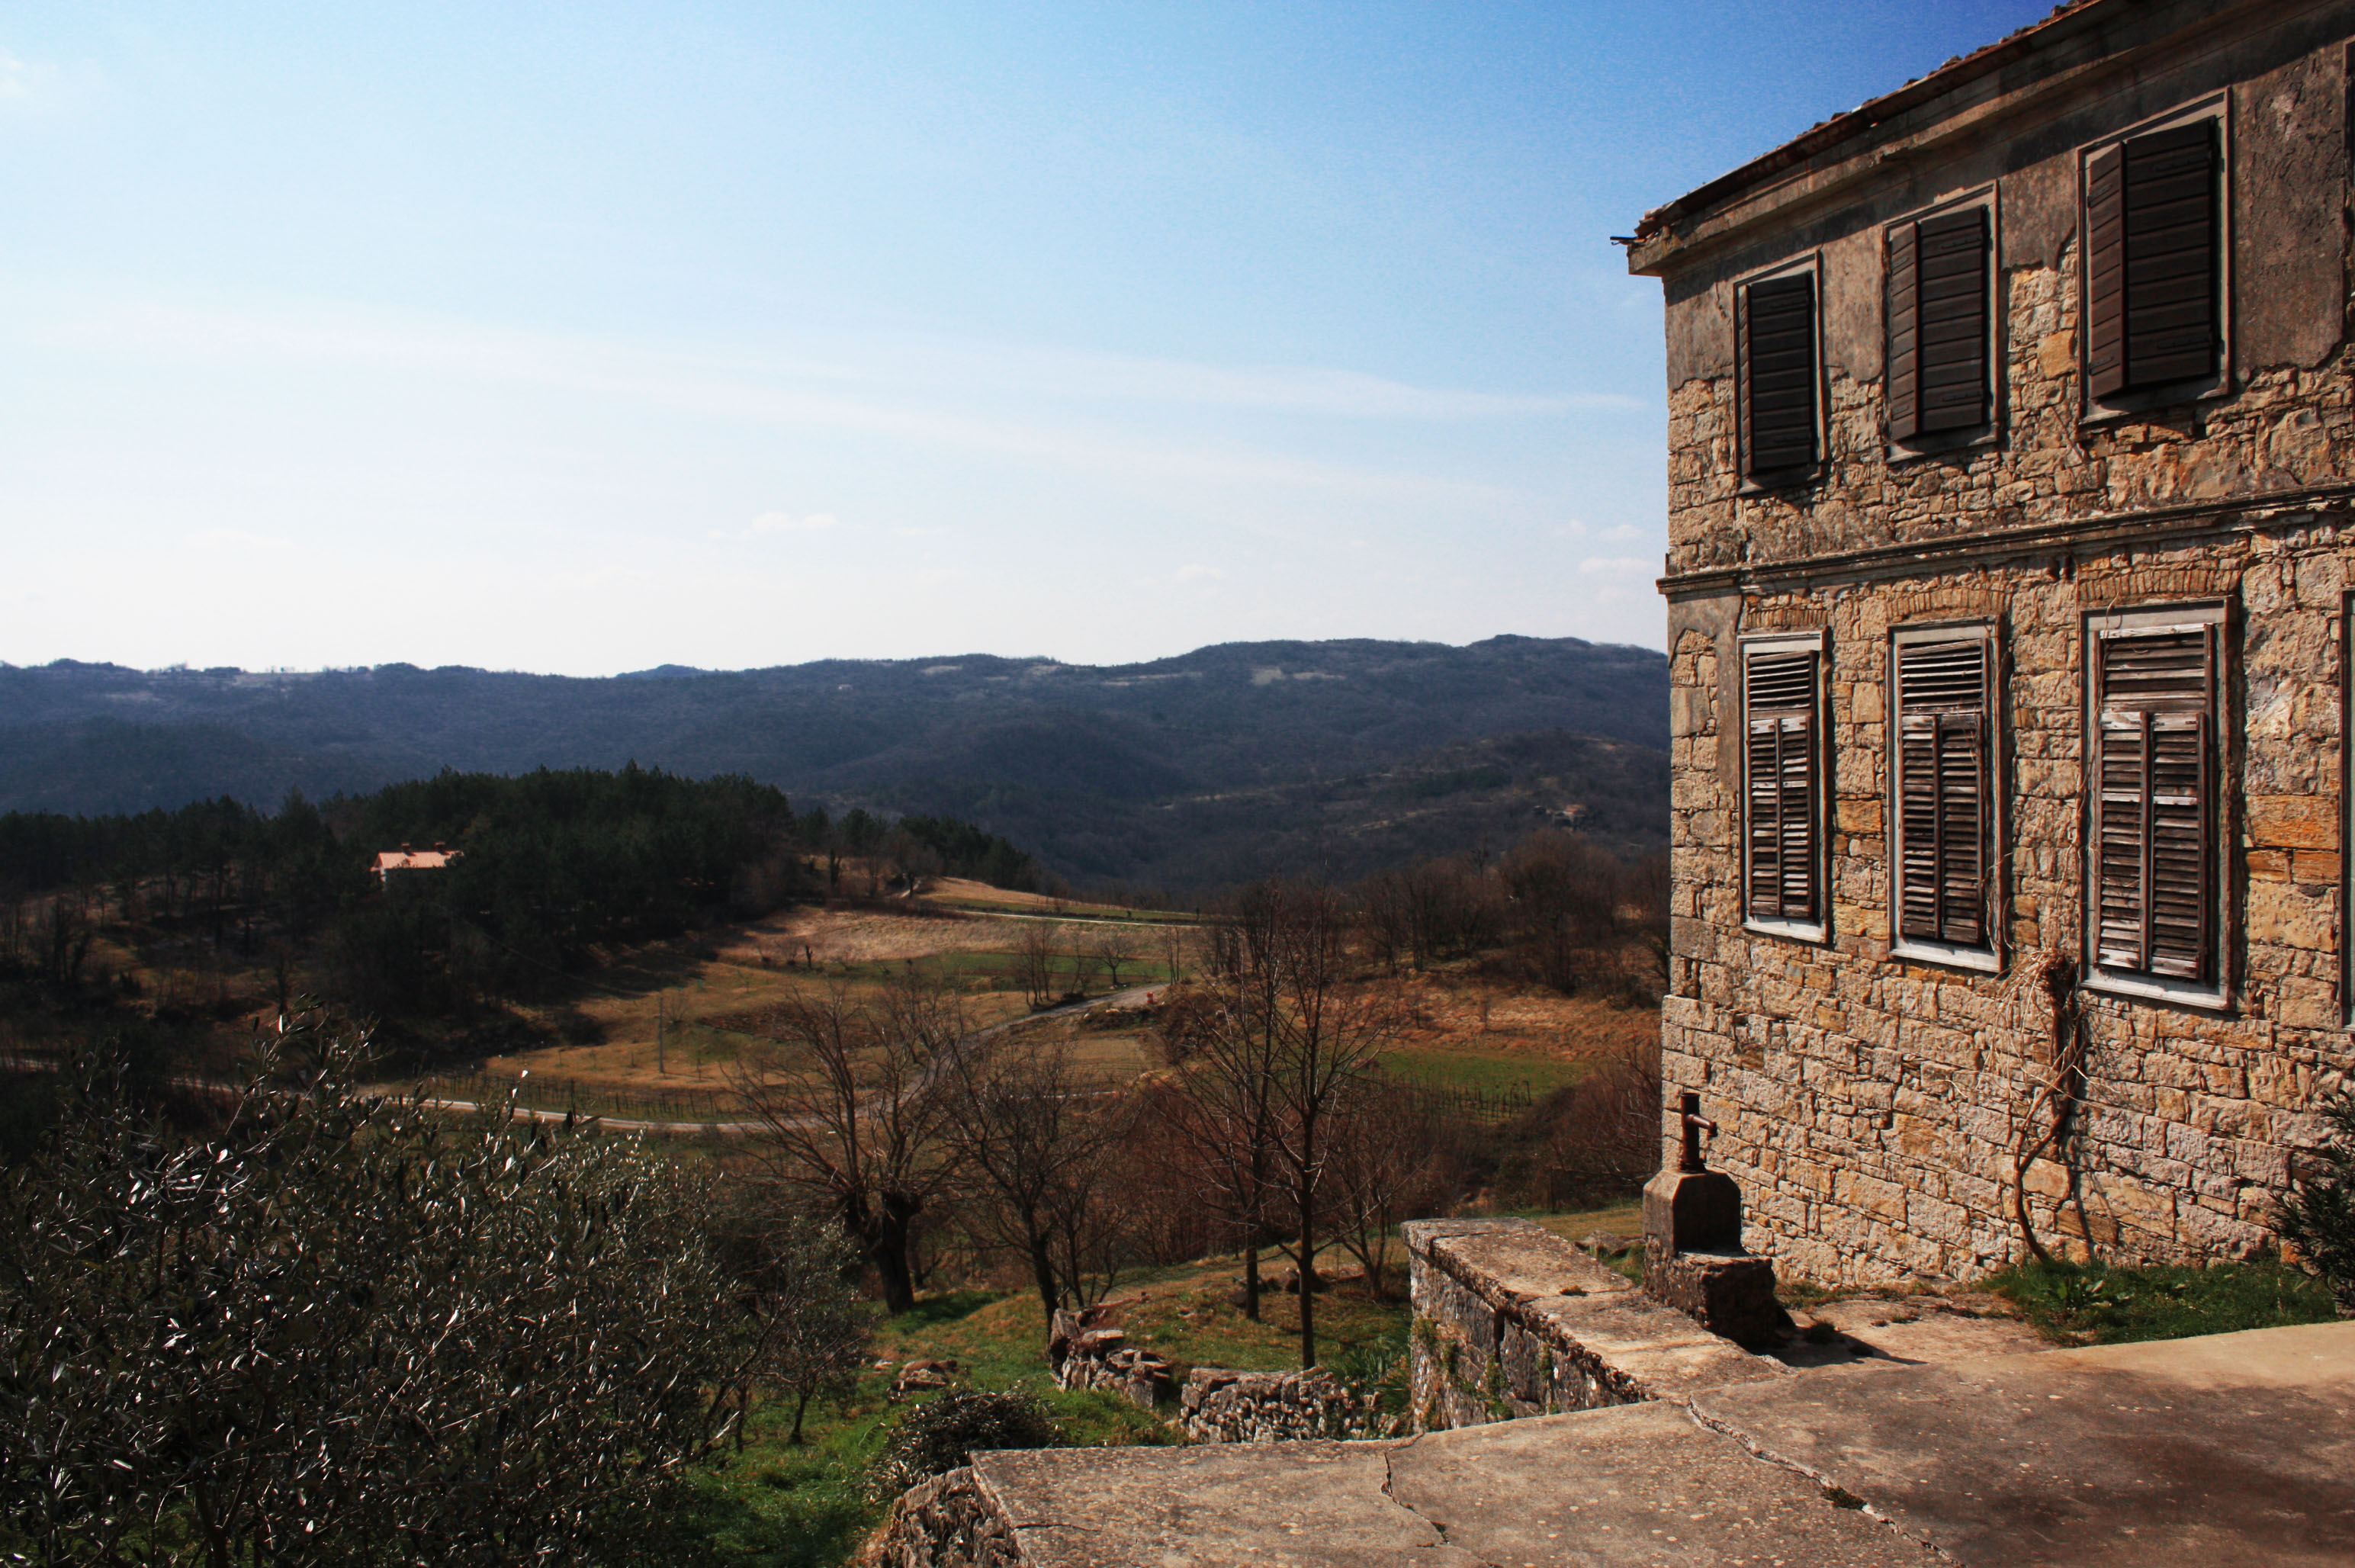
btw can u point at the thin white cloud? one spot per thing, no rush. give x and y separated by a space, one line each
769 522
685 381
1195 571
1612 565
20 81
217 540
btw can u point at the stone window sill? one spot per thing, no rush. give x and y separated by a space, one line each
1978 958
2156 988
1945 443
2145 399
1796 931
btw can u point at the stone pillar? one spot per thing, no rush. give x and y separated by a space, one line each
1693 1259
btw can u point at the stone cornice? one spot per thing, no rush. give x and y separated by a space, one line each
2275 509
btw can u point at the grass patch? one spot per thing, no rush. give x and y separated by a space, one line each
945 1308
1201 1327
1489 1072
2083 1304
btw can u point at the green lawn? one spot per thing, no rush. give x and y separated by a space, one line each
2092 1304
1489 1072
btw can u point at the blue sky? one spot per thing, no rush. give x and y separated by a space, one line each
581 338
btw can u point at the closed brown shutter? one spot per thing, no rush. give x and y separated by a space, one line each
1953 264
1903 380
1779 700
2171 251
2105 266
1943 792
2155 829
1778 387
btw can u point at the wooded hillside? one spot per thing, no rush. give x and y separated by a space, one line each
1186 773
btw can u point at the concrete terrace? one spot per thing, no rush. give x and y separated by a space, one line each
2231 1449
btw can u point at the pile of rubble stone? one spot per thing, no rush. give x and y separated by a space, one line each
1086 1353
1224 1406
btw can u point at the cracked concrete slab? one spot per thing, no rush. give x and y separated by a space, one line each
1917 1329
2229 1450
2223 1450
1638 1484
1285 1505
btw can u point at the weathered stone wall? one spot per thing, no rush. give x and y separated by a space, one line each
949 1521
1875 1109
1511 1320
1223 1406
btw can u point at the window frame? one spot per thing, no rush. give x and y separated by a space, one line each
1990 433
2212 995
1815 642
2092 410
1810 266
1989 958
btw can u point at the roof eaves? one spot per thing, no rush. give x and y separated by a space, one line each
1874 113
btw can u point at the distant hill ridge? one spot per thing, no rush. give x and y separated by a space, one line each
1105 771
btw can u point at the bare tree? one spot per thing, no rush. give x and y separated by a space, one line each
1389 1160
1114 950
1030 1136
1082 958
1034 963
1222 1116
1288 1037
1327 1032
853 1108
1176 945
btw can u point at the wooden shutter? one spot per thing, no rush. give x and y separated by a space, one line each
1901 367
1779 697
1952 312
1778 385
2171 251
2105 257
2155 832
1943 792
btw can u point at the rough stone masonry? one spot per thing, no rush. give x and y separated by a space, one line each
1890 1115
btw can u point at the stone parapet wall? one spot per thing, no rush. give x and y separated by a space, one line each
1511 1320
1224 1406
949 1521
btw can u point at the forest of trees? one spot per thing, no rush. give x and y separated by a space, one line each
548 868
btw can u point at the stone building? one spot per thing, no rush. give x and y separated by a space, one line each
2010 517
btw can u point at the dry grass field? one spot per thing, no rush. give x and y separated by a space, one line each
672 1019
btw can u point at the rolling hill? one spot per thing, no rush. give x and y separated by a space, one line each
1182 773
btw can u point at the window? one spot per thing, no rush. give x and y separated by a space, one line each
2156 260
1782 707
2155 909
1943 789
1781 384
1937 321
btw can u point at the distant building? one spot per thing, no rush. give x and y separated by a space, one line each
2011 480
390 862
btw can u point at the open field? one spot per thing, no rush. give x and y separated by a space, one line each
957 892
